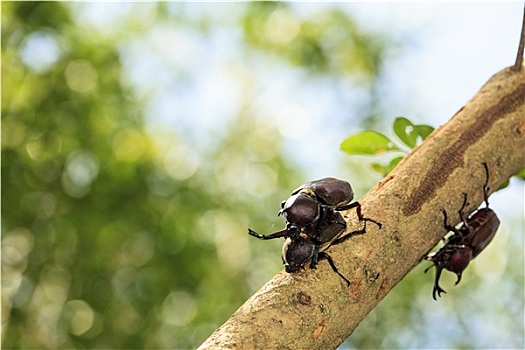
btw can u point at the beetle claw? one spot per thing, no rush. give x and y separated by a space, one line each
253 233
438 290
375 222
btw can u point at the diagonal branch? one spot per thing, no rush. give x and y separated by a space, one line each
315 310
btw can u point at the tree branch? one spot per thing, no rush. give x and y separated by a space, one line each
315 308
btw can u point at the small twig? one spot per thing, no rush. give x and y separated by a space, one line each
519 57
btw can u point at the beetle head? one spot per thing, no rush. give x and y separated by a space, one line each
459 259
300 210
296 252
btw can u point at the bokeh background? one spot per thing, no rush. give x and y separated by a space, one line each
141 140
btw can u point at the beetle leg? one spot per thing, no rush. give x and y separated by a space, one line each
278 234
437 289
350 234
486 187
323 255
431 266
334 219
315 260
446 225
325 211
357 207
362 218
350 206
460 212
440 265
375 222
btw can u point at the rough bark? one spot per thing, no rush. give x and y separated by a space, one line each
314 309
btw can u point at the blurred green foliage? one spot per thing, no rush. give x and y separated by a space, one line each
110 240
117 234
329 42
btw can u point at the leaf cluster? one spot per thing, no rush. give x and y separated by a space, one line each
371 142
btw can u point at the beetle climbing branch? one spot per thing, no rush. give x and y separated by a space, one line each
474 234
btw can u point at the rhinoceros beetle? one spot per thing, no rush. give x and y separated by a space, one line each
328 192
314 221
298 250
311 207
466 242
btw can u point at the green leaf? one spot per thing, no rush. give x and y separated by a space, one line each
503 185
379 168
393 163
409 133
424 130
368 142
521 174
404 129
386 169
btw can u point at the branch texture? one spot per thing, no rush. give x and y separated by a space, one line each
313 309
